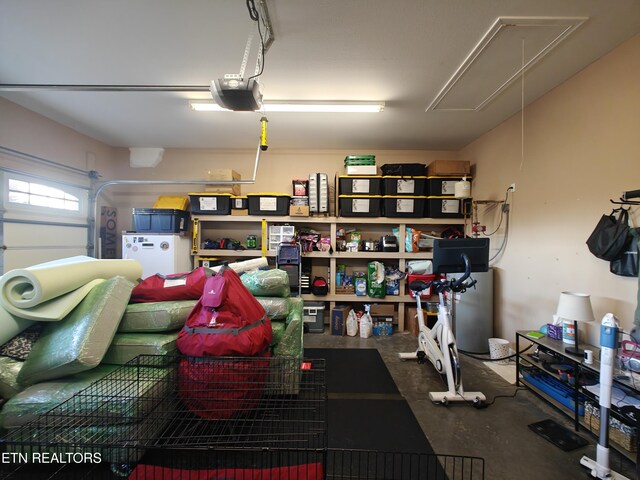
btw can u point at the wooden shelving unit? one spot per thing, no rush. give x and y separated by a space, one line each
239 226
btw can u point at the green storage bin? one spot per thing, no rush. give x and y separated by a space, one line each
352 160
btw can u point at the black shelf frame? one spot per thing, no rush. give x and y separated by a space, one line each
557 347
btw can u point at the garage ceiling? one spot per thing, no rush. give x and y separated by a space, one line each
448 71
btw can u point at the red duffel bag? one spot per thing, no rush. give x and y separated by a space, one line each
226 321
222 388
177 286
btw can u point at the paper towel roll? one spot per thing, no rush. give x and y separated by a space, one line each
246 265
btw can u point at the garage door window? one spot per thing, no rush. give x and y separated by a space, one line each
39 195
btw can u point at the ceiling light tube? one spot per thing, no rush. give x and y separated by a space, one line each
299 107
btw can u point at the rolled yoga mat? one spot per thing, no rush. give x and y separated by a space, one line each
49 291
245 265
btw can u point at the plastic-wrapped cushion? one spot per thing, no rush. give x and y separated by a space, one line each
127 346
290 344
267 283
155 316
106 395
278 327
42 397
9 369
276 308
112 442
79 341
88 440
296 308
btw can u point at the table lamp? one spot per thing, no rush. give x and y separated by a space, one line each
575 307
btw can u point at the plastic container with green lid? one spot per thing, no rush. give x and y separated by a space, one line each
351 160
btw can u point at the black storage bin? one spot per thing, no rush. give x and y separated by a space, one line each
442 186
360 185
404 169
397 185
360 205
268 204
404 206
447 207
239 203
160 220
210 203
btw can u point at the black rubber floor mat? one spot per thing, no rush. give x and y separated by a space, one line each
354 370
558 435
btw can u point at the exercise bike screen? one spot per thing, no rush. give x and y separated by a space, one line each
447 254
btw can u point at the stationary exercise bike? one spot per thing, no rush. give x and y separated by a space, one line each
438 344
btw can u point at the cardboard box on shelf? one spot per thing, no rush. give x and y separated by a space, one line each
339 319
224 175
410 321
299 211
449 167
231 189
382 310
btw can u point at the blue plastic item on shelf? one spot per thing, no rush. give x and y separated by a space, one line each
556 389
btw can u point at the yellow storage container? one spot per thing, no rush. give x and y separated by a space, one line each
172 202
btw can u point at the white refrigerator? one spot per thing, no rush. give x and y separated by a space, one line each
158 252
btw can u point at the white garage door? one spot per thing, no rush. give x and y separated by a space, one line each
42 220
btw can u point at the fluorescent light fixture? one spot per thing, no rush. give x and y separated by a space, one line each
299 107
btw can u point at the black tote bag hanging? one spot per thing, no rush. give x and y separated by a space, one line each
608 239
626 265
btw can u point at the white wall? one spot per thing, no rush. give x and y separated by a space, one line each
581 148
25 131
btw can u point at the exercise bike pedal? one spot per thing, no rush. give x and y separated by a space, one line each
479 403
422 357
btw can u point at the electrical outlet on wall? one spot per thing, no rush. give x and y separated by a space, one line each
512 187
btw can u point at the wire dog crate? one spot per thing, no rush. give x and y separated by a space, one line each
267 464
208 417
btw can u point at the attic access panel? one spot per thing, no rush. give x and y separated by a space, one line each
497 60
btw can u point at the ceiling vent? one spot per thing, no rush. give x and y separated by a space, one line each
145 157
498 60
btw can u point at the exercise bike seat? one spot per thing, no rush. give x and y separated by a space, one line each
419 286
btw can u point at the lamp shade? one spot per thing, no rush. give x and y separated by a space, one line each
575 307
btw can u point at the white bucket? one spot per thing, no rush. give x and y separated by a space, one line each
498 348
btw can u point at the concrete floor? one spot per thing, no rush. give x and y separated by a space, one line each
498 433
